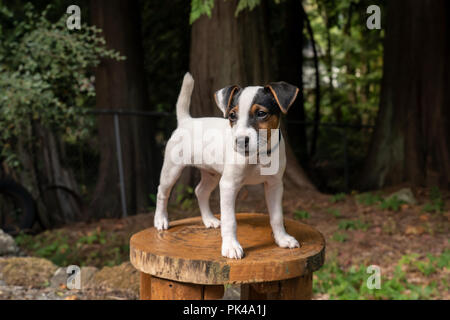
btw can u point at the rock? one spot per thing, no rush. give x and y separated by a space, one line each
59 278
27 271
7 244
122 277
404 195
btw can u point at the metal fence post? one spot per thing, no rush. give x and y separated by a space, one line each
120 166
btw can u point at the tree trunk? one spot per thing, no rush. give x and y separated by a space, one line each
412 136
121 85
229 50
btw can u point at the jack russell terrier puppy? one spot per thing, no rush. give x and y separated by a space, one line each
252 120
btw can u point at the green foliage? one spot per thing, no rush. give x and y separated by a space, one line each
96 247
301 214
436 203
94 237
246 4
153 199
185 195
368 198
353 225
199 8
339 237
350 284
335 212
392 203
337 197
45 77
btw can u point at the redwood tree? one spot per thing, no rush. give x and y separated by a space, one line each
238 50
121 85
411 142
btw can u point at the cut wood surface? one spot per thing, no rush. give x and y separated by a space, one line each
189 252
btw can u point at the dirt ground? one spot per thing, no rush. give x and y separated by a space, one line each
385 237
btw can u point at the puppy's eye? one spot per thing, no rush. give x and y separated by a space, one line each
261 114
232 116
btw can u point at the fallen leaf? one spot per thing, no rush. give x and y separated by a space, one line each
72 297
414 230
424 217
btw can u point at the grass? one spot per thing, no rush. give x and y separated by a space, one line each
351 284
337 197
335 212
339 237
436 203
95 248
353 225
369 199
301 214
392 203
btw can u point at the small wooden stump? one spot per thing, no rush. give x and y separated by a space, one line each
185 261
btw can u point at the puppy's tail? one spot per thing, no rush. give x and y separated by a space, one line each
184 99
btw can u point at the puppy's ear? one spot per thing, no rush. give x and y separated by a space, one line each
224 97
284 94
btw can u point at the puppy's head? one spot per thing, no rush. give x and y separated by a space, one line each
252 110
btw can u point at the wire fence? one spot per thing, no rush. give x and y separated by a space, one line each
84 160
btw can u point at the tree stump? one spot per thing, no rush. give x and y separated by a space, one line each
185 261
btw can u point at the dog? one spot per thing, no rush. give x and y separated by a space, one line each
247 112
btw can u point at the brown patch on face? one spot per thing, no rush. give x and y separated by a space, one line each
234 110
271 121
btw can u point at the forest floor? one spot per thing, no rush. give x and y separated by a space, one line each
408 242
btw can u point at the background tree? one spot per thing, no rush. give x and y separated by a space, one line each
411 142
122 86
228 49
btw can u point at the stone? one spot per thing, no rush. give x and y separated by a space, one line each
405 195
59 278
7 244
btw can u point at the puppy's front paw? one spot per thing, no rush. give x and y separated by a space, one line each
287 241
211 222
232 249
161 222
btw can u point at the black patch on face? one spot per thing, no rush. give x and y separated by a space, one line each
264 98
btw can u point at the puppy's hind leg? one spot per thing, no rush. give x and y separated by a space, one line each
169 175
208 183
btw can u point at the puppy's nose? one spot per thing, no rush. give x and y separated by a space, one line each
242 142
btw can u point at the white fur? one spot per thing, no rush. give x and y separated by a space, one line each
228 175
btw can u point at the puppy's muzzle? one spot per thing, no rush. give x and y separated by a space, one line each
242 143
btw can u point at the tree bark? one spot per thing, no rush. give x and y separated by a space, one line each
411 142
121 85
229 50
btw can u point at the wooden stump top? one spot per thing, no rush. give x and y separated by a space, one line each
189 252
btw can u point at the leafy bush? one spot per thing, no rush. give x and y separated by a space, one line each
45 77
